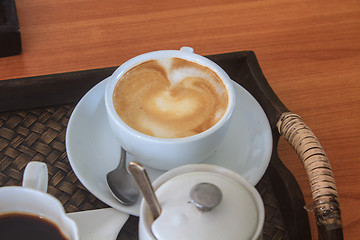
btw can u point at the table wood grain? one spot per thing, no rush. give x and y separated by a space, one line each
308 50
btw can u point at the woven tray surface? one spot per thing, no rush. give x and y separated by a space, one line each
39 135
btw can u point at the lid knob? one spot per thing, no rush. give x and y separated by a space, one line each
205 196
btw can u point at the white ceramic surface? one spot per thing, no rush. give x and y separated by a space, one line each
99 224
93 150
168 153
240 214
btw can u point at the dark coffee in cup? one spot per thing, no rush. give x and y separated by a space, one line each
18 226
170 98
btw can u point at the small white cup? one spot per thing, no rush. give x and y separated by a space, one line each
183 219
32 199
162 153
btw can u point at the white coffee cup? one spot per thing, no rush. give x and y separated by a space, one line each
239 215
168 153
32 199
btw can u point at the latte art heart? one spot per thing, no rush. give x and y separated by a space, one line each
172 106
172 100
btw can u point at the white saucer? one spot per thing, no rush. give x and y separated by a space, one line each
97 224
93 151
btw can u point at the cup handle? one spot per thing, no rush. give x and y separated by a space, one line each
187 49
36 176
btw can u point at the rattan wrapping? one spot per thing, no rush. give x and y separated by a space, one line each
317 167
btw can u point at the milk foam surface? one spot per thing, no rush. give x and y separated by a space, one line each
170 98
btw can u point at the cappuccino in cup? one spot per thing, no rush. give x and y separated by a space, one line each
170 98
169 108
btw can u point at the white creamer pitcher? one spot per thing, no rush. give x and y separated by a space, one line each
32 199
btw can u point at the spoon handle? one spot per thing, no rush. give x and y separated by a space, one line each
142 180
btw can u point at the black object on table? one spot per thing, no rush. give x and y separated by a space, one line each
10 39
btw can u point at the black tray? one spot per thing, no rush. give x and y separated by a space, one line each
242 67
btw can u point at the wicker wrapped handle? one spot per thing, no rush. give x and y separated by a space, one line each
318 169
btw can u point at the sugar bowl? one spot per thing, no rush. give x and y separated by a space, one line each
200 201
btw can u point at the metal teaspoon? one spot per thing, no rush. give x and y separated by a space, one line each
121 183
142 180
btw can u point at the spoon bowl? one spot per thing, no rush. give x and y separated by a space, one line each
121 183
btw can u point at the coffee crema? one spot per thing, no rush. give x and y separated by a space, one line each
170 98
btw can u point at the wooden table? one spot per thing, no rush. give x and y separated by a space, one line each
308 50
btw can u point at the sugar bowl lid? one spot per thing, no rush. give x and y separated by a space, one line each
202 201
